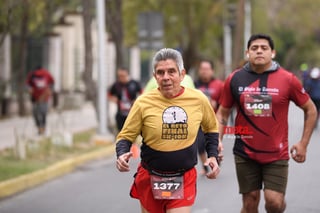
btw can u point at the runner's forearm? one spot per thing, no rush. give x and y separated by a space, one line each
122 147
212 140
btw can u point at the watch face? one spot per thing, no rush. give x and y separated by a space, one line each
174 114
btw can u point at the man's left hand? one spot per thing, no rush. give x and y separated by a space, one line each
298 152
215 169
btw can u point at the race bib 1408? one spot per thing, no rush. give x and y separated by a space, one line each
258 105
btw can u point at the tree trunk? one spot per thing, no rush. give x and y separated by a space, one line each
190 56
238 37
115 27
22 55
189 52
90 84
6 25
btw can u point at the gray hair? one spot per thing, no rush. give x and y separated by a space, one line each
168 53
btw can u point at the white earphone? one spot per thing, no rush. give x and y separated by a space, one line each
272 56
247 55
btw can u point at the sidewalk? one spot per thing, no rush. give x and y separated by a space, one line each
69 120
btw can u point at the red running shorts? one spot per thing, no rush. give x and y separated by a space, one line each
141 190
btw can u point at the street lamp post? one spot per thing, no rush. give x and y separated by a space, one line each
247 23
102 101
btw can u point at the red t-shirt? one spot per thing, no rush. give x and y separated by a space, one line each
262 102
40 81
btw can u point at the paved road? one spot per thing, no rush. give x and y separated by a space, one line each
97 187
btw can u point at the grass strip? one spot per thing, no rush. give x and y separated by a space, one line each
43 153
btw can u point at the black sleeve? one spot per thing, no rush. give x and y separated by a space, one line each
123 146
113 90
196 84
134 92
139 87
212 142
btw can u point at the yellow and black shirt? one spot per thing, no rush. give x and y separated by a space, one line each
169 129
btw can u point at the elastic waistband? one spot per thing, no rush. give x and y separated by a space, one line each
163 173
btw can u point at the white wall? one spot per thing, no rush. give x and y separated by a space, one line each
67 33
77 22
135 61
53 58
5 62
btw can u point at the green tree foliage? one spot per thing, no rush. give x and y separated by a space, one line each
293 24
190 25
115 27
43 14
193 26
196 27
23 20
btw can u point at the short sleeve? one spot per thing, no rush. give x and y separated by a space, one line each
297 93
227 100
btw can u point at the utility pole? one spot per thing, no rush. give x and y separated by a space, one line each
247 23
228 25
102 100
227 46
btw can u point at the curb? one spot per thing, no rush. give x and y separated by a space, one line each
24 182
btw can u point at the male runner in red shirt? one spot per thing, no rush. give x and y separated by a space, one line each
40 83
261 91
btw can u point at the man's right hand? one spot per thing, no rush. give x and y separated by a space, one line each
123 162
